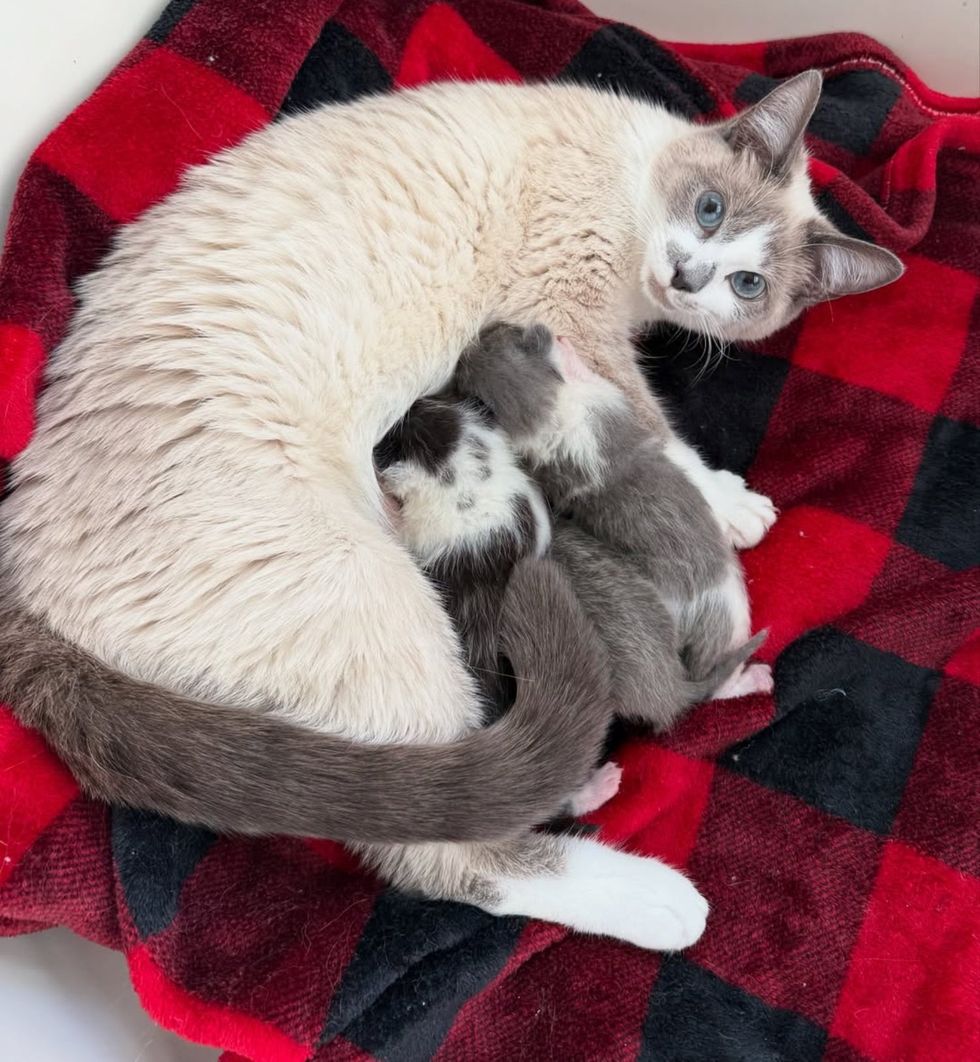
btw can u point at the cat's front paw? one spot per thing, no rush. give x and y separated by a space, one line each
744 515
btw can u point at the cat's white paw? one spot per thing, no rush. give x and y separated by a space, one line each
602 890
601 787
661 910
755 678
744 515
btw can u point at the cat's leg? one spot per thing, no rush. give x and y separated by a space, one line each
744 515
573 881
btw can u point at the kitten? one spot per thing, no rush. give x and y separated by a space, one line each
198 506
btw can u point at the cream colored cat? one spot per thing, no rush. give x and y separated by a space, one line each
198 507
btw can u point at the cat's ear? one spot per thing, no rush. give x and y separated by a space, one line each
843 265
773 128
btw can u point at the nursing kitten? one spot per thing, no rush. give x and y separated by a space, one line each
646 556
198 506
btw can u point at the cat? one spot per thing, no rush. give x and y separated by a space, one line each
198 507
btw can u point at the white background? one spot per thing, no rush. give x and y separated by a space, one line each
62 1000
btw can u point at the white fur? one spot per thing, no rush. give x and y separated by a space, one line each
569 434
601 890
466 508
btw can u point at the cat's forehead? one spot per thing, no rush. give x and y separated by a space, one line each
753 198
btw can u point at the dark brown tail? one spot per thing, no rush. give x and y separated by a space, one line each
139 745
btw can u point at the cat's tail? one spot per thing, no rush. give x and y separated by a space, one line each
135 744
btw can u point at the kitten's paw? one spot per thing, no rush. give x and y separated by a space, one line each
600 788
754 678
744 515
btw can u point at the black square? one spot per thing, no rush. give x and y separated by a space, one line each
831 209
848 725
942 518
852 110
622 59
154 857
695 1016
417 962
338 68
722 410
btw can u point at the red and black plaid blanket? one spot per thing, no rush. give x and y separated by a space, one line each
835 828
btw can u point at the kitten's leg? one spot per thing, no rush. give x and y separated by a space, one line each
598 790
754 678
569 880
744 515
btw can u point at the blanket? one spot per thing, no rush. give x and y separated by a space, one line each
833 826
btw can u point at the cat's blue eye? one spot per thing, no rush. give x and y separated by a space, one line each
709 210
747 285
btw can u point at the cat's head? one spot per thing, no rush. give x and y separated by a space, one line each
739 246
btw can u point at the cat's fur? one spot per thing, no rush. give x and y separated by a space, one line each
198 506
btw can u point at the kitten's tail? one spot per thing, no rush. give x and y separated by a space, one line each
703 686
136 744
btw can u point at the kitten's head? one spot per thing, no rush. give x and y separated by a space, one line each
740 247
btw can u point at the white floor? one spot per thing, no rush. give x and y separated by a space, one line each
62 999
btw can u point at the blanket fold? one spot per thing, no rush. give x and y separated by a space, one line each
833 827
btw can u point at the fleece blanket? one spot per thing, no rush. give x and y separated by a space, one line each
833 826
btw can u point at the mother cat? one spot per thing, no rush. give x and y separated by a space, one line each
198 507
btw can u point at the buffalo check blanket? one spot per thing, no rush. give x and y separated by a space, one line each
835 827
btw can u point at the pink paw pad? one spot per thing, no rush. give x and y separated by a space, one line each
756 678
601 787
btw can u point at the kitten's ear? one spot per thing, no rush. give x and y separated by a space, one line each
773 127
845 266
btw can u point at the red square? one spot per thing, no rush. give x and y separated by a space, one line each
661 801
904 340
127 145
21 361
813 567
917 608
34 790
965 662
442 46
787 886
524 1013
940 809
913 987
839 447
257 46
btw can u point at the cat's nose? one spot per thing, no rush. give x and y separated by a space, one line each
690 278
